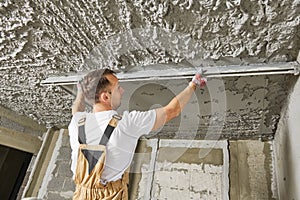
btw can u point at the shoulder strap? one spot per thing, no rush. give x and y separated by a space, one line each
81 131
109 129
107 133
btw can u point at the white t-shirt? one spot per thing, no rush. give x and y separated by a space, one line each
123 140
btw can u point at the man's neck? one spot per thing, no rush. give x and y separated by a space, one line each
100 107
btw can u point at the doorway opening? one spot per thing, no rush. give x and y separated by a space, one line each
13 168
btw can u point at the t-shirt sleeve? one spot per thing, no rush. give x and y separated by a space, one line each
140 123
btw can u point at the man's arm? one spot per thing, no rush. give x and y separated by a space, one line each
176 105
79 103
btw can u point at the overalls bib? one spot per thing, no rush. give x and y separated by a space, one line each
90 164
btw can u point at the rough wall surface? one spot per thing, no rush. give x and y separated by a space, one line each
22 124
40 38
57 182
172 171
251 170
228 108
286 147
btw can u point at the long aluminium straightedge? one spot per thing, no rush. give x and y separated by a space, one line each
172 72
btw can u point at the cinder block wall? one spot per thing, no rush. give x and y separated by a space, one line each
251 172
17 122
58 183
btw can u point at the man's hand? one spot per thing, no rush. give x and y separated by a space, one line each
176 105
79 89
79 103
198 80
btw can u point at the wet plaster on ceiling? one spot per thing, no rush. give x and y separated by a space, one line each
41 38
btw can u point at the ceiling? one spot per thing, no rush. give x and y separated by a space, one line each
42 38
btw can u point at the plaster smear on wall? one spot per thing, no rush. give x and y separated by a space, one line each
257 174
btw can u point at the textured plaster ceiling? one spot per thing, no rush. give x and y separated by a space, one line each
42 37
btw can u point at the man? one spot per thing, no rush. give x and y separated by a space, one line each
102 90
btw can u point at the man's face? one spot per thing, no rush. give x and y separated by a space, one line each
116 91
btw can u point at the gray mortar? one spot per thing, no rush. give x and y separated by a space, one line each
41 38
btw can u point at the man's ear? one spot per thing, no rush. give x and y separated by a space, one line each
103 97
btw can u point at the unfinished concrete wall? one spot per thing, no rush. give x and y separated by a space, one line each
228 108
21 133
287 147
20 123
180 169
57 183
251 170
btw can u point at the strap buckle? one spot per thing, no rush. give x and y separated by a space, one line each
117 117
114 120
81 121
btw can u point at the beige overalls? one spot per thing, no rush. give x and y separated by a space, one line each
90 164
